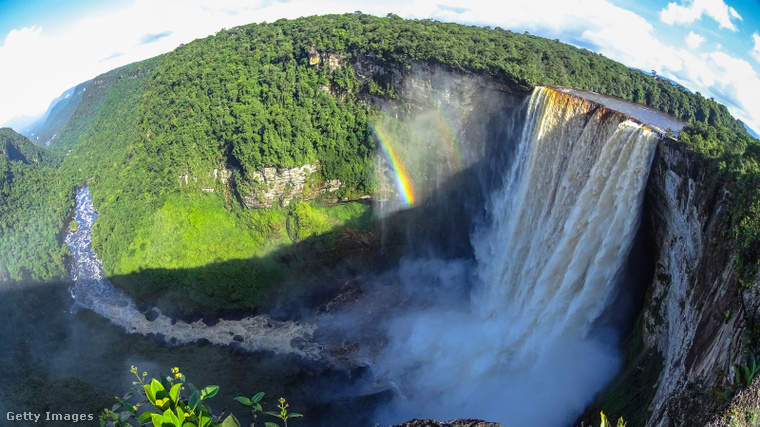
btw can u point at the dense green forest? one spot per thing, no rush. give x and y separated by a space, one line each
285 94
35 205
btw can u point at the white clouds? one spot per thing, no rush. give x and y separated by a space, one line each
755 52
45 66
737 84
693 40
730 80
715 9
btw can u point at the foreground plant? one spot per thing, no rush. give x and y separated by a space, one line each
283 414
169 408
606 423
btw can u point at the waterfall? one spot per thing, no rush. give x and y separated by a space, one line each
564 220
530 349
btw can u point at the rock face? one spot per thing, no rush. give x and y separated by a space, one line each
272 185
693 316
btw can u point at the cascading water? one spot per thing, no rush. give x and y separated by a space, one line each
530 349
564 221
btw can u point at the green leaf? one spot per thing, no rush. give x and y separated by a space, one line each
268 424
170 418
257 398
145 417
149 393
209 391
294 415
203 420
123 416
230 421
244 400
193 402
156 419
174 393
155 388
180 413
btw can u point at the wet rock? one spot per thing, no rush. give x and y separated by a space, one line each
210 320
238 338
151 315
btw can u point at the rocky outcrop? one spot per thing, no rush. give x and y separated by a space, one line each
272 185
331 60
693 316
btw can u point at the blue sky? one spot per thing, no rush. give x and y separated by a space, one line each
709 46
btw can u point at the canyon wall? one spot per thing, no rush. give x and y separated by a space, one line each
691 325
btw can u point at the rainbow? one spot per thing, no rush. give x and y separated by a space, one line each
450 143
401 177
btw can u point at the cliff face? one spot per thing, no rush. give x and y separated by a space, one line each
272 185
693 315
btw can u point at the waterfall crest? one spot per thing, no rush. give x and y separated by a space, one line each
549 258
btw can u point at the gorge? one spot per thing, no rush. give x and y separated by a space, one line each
550 249
507 244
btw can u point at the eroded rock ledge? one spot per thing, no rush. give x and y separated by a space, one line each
453 423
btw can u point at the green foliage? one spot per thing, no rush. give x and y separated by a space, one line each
734 160
195 256
307 221
35 203
744 374
284 415
168 406
192 230
17 147
606 423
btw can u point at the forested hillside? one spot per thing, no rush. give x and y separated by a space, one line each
35 204
49 126
151 136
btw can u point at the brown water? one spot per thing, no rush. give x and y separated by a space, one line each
650 117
